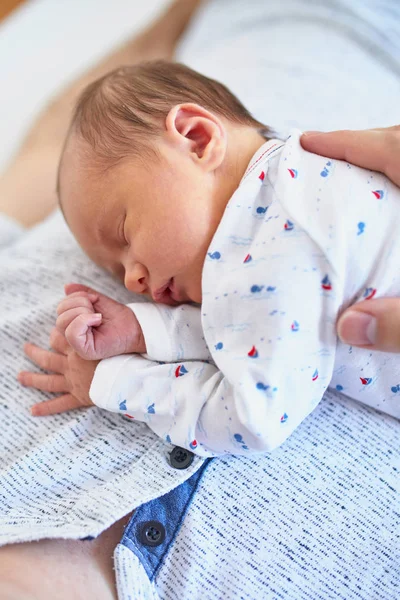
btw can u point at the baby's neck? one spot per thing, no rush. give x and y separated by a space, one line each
249 141
243 143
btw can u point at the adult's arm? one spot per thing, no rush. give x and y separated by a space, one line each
373 324
27 187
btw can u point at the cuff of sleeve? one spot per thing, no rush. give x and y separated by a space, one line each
155 332
101 389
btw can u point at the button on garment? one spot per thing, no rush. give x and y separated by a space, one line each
153 528
180 458
152 533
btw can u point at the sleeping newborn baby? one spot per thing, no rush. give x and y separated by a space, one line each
250 248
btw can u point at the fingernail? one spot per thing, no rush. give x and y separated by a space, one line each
312 132
357 328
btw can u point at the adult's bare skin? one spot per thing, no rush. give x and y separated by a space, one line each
61 569
28 186
64 569
372 324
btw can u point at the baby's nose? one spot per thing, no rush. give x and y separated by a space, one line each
136 280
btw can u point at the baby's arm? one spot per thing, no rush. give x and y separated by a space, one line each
98 327
172 333
252 405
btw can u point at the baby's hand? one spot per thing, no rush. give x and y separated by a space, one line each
96 326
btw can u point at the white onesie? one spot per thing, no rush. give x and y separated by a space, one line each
302 238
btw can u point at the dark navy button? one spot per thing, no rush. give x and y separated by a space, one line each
152 533
180 458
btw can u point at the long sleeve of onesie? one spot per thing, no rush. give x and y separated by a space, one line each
299 240
172 333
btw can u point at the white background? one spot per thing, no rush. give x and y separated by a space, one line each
45 43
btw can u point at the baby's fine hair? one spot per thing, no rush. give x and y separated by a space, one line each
119 114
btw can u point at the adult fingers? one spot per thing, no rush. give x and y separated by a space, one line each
58 342
372 324
55 406
46 383
45 359
376 149
357 147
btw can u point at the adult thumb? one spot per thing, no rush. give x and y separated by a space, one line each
372 324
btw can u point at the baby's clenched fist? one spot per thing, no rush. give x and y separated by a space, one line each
97 326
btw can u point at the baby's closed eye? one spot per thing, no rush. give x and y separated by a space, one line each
122 234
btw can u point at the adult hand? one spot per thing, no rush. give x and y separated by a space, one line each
373 324
72 376
376 149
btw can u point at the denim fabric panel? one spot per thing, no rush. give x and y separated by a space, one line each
169 510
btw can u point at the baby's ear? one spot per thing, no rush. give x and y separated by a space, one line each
194 129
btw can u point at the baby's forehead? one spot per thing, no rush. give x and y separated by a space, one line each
77 155
78 169
77 186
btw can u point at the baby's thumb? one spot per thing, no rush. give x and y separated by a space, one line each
373 324
80 336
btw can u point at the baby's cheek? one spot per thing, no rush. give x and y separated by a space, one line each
194 288
119 275
198 296
116 270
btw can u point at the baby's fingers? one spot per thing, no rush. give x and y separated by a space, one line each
78 300
79 334
71 288
55 406
67 317
46 383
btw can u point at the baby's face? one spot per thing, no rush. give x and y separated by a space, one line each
149 222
